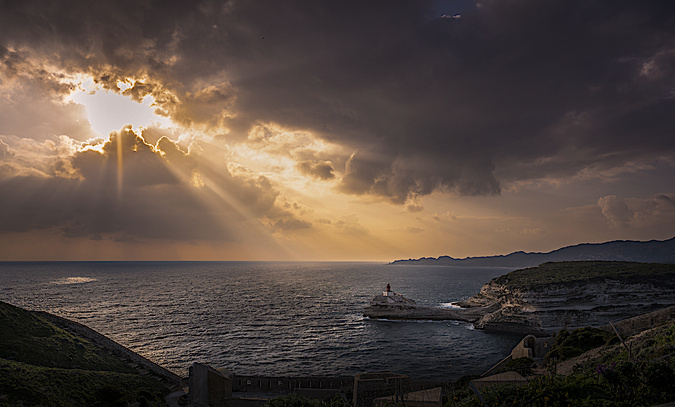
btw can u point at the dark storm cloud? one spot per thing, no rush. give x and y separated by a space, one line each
321 169
523 89
436 103
657 212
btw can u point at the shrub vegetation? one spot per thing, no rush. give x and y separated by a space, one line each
647 378
572 272
571 344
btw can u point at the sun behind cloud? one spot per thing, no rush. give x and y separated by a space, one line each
108 111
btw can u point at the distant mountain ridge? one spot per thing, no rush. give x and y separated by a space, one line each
653 251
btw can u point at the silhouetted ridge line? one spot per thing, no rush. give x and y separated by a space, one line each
653 251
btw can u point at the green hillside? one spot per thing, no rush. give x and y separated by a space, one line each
44 365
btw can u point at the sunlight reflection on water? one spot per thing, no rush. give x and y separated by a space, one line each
73 280
290 319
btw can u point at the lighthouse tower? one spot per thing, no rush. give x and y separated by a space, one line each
388 292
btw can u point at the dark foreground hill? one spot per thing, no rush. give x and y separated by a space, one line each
44 365
653 251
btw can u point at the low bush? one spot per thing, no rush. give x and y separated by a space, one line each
571 344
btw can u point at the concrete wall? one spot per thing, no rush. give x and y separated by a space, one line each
498 366
286 385
369 386
524 348
208 387
532 347
107 343
423 398
529 347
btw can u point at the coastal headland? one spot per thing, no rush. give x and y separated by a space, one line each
553 296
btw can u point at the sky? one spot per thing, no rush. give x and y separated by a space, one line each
333 130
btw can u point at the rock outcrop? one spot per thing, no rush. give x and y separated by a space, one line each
542 300
391 305
608 294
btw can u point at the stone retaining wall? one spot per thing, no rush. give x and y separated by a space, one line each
284 385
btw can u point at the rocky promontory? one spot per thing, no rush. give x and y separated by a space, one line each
391 305
570 295
553 296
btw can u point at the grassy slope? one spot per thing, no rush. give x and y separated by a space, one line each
30 339
29 385
41 364
572 272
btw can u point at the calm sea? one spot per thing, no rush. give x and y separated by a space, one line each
266 318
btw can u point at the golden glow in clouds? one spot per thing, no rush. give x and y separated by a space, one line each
108 111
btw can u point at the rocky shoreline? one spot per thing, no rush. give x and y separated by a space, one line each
552 308
612 291
423 313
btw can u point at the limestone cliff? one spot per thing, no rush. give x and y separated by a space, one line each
554 296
